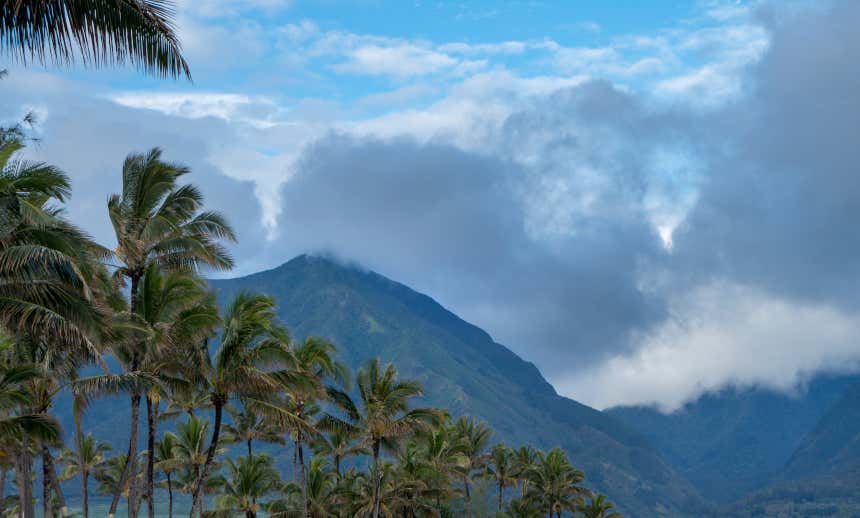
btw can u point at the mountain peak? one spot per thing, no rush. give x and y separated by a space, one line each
367 315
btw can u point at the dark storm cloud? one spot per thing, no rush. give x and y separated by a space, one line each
782 196
453 224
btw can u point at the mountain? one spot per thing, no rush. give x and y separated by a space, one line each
834 445
822 477
465 371
735 441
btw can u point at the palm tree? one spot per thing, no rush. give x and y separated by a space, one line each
321 489
157 222
598 507
555 483
421 485
248 364
340 444
444 456
525 458
501 469
89 458
384 415
99 32
247 426
167 462
48 267
186 400
110 480
315 359
20 428
474 438
175 310
248 480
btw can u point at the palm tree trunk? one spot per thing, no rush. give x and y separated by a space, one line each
85 497
51 483
2 490
377 479
47 501
3 474
129 472
468 496
79 443
150 457
302 481
250 451
169 496
295 461
25 484
218 403
501 494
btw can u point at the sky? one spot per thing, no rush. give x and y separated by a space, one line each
648 200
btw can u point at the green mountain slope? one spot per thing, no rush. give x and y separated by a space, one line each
464 370
822 477
834 445
736 441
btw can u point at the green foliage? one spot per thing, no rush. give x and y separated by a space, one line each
98 32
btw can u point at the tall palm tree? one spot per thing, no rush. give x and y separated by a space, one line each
598 507
249 364
383 416
501 469
189 451
90 457
84 391
99 32
176 311
157 222
315 359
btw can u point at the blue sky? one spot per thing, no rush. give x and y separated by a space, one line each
646 199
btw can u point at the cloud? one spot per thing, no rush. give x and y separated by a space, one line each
631 237
258 110
763 275
723 333
395 60
454 224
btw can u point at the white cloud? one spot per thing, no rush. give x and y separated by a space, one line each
403 59
719 334
255 110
